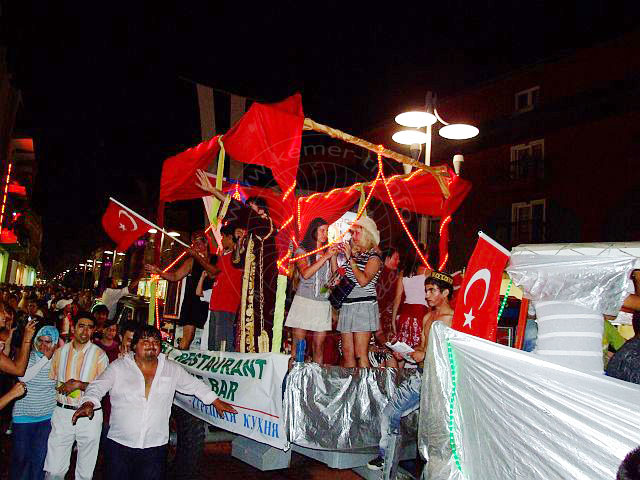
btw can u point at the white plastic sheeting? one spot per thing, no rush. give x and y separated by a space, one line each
596 283
572 286
515 416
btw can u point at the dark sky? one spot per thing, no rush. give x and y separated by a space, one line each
104 98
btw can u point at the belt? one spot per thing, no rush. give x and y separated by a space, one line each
71 407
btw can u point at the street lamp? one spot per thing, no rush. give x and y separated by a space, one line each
426 118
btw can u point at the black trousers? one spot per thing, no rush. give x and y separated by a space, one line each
124 463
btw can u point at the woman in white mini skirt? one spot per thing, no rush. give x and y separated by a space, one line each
311 310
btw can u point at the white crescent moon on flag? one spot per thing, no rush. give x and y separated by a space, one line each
133 222
483 274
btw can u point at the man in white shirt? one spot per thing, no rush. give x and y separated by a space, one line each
112 295
141 386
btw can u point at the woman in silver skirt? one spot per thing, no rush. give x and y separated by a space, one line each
359 314
311 310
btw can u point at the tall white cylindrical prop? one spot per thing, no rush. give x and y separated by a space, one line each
572 286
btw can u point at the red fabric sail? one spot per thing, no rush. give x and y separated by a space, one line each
178 181
270 135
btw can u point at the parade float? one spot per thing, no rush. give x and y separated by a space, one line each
487 410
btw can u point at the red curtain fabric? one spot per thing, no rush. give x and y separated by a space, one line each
329 206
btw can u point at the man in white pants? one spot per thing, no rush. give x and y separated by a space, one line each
74 366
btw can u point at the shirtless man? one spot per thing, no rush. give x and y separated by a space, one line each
142 385
438 288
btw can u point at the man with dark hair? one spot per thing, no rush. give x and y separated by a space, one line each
625 364
225 293
112 294
127 330
630 466
73 366
101 314
386 288
142 386
438 287
256 255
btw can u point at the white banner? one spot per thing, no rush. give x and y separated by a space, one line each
251 382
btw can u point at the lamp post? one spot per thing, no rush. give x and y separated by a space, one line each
425 118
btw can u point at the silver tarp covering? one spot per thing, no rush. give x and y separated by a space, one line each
518 417
598 283
334 408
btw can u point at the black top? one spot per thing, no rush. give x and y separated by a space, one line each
194 311
625 364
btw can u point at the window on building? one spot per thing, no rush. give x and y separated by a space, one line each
528 222
527 160
527 100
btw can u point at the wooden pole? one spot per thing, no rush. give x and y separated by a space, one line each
438 172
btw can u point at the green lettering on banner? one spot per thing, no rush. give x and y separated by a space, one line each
261 363
193 359
218 364
233 386
223 389
182 358
214 385
226 366
248 369
205 357
236 368
209 364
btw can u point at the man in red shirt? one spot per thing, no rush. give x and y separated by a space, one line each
225 295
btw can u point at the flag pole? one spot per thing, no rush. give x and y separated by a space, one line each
149 222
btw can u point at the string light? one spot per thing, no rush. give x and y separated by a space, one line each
444 262
339 239
289 190
452 403
504 300
443 224
236 194
395 208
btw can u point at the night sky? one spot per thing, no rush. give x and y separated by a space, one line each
106 99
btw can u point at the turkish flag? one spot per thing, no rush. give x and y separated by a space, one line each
477 300
123 225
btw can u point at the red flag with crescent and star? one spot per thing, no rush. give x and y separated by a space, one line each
477 300
123 225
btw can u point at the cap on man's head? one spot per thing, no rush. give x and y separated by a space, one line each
443 277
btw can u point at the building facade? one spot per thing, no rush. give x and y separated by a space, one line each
557 156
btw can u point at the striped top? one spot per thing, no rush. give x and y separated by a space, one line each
40 400
368 292
84 365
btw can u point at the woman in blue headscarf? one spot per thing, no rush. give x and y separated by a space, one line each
32 413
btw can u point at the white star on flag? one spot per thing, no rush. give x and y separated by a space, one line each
122 227
468 318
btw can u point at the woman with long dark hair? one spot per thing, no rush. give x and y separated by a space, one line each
311 310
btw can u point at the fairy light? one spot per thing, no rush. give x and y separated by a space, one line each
504 300
395 208
452 403
444 223
289 190
4 197
236 194
337 240
207 230
444 262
